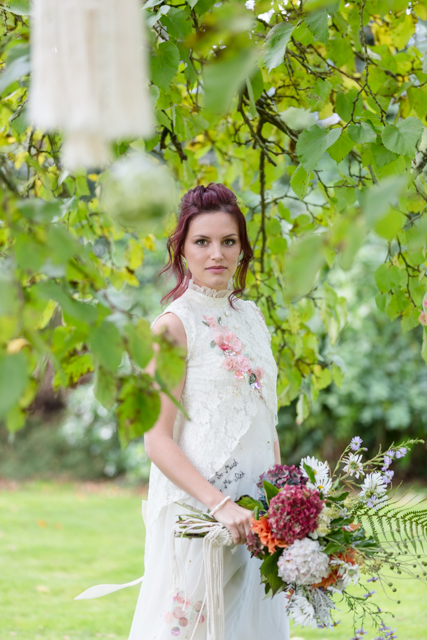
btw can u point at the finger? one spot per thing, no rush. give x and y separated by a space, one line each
235 534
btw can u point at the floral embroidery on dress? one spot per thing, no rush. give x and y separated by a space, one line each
231 347
183 613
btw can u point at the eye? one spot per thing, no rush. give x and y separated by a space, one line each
230 240
200 240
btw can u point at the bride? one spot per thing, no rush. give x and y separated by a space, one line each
216 454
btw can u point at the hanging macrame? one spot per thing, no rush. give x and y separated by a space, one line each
89 75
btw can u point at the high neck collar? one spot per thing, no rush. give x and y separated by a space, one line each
209 297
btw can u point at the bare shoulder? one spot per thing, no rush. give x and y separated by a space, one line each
172 325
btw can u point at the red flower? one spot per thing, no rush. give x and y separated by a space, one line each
294 512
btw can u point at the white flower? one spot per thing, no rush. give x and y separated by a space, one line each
373 486
323 483
303 562
349 573
302 612
319 468
323 522
353 465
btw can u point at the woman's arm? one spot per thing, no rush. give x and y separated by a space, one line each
171 460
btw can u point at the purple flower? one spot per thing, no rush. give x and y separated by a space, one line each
368 595
361 632
387 462
390 454
401 452
374 579
388 476
355 443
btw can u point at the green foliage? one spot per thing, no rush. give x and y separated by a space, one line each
237 97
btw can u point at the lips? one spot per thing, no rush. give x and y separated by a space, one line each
216 269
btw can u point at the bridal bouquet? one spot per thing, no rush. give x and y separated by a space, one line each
317 531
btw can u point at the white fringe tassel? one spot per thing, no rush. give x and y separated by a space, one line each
216 537
89 75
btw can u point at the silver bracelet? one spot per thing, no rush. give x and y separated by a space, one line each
218 506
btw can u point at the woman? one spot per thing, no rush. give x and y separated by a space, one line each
229 392
217 454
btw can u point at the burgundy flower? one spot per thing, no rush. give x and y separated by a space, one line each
294 512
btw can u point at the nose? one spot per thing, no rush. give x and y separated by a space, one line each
216 251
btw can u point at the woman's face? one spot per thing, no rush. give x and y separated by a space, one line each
212 249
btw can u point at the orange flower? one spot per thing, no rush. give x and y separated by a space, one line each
262 528
326 582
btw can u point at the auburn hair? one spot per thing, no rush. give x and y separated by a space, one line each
210 199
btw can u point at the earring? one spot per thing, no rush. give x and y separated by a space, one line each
184 261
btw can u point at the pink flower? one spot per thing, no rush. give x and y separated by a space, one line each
259 373
423 318
211 321
228 341
243 364
229 363
294 512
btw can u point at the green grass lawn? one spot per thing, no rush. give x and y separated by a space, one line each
56 540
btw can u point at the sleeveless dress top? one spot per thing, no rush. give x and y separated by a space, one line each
230 371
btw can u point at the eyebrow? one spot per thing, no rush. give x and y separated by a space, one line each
199 235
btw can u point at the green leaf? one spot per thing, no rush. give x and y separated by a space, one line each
275 45
223 79
15 419
14 71
164 64
387 276
249 503
270 490
177 22
269 569
310 472
313 143
105 388
382 156
362 133
341 147
300 181
138 410
106 345
79 311
403 138
377 200
13 381
170 363
297 119
18 7
139 342
317 22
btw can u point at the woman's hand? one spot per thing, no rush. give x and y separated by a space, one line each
236 519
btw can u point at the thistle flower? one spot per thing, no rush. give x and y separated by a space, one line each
294 512
353 465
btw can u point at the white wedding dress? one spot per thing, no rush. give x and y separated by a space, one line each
229 439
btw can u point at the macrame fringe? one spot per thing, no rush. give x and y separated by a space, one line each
215 538
90 75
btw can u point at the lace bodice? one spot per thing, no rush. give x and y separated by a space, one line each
230 368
